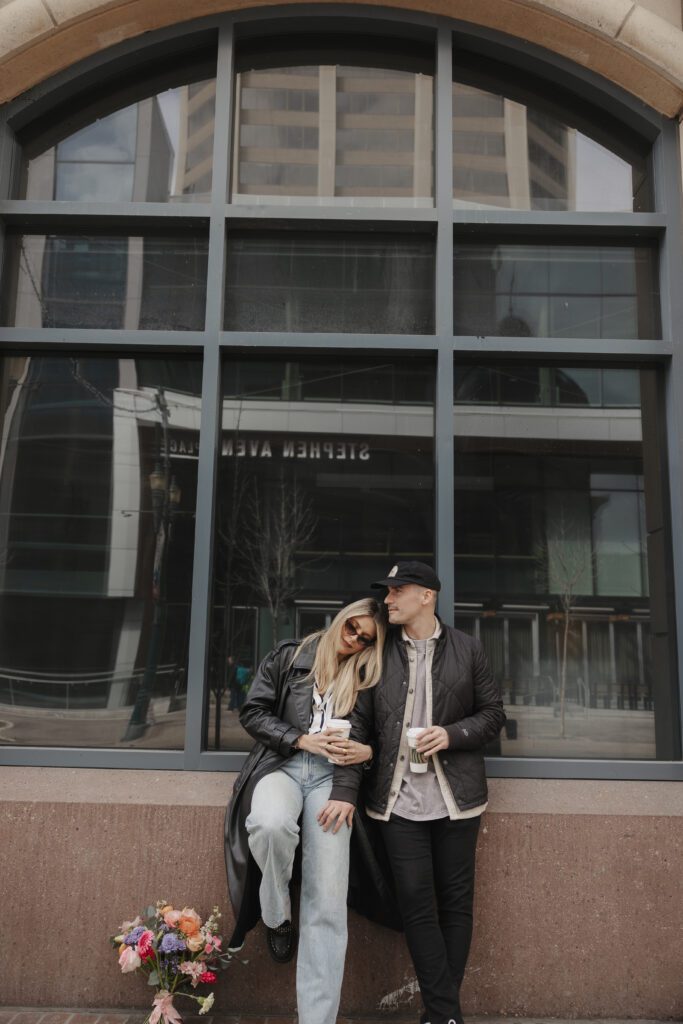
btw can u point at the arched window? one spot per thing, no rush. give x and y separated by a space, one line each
288 299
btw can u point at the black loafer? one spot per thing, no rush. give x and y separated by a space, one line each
281 942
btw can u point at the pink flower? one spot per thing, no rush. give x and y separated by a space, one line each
144 945
171 918
194 968
129 960
208 977
212 942
128 926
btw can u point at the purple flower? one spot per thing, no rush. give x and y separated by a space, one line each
171 944
172 963
133 936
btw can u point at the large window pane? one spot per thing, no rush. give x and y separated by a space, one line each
157 150
519 146
312 281
556 291
551 563
98 479
342 131
150 283
326 470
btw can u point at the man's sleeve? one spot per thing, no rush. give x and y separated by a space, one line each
488 717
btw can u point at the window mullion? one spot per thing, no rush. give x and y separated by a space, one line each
209 434
443 425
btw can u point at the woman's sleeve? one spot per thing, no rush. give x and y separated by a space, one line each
258 715
347 778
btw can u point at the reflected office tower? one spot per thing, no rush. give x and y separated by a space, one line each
333 131
125 156
508 154
86 550
194 162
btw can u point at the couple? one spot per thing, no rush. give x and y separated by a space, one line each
301 780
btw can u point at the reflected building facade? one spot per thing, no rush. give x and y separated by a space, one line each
325 470
83 560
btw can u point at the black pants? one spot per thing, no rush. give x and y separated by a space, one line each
433 867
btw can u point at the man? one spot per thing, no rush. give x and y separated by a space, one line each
437 677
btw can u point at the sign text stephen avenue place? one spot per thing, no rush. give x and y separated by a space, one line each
285 448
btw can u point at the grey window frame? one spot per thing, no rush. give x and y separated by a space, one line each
663 225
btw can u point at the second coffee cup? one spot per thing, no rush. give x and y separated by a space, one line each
418 763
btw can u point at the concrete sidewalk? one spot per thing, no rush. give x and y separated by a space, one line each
48 1015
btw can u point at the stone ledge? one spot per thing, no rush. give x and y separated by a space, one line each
212 789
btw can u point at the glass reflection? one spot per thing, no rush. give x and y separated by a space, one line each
340 133
109 282
556 291
97 498
157 150
551 564
530 154
326 466
547 386
304 281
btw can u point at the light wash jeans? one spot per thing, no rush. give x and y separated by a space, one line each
302 787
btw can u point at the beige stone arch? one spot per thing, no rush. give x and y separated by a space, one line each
628 43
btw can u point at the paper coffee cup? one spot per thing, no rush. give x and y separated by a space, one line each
418 763
340 727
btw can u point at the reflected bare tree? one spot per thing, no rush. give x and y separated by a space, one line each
262 528
278 524
567 561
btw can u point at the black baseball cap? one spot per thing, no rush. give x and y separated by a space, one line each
410 572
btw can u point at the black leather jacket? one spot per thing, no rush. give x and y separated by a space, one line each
276 712
465 701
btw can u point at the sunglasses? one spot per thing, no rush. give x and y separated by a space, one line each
351 626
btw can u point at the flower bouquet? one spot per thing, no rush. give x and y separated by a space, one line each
176 952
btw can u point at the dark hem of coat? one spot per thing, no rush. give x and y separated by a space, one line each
276 712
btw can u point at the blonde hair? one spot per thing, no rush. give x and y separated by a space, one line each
359 671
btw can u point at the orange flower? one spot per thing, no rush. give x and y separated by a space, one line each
189 921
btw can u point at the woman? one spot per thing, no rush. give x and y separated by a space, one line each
300 770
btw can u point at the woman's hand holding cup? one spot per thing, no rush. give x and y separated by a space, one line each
337 733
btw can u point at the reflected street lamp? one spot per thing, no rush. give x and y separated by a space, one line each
166 495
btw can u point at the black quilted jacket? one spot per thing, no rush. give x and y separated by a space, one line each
465 700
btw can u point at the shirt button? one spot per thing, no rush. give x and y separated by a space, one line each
393 793
402 757
410 690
